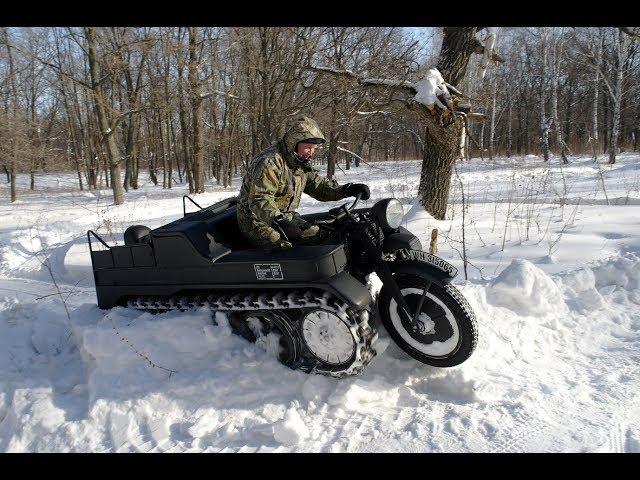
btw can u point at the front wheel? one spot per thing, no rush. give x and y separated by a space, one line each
444 333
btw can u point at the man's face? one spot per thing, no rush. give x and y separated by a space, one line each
306 150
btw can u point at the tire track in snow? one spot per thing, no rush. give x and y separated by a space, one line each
617 437
516 442
343 431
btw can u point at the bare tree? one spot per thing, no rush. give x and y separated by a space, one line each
620 43
200 102
196 110
441 144
545 123
556 61
11 118
105 121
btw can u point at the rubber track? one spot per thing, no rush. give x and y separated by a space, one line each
358 322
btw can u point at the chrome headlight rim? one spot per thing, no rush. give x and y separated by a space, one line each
394 213
389 213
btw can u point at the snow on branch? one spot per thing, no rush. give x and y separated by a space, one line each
430 91
399 84
382 112
350 153
218 92
388 83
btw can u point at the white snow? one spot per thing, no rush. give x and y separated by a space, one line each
429 87
554 279
526 289
291 429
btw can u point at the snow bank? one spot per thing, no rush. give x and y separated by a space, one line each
526 289
623 271
611 280
580 289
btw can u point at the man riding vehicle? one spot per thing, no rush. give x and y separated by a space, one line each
274 182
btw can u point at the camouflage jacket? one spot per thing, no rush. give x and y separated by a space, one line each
274 183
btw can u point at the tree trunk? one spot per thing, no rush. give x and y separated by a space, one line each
605 120
196 108
569 113
79 175
441 146
168 150
594 119
333 143
12 178
492 128
185 138
555 118
175 147
152 168
130 177
521 128
162 152
636 131
437 167
105 127
332 153
545 125
14 141
621 45
594 111
509 133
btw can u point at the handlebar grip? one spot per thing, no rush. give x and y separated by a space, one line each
335 211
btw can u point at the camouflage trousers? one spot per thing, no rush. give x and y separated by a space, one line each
261 235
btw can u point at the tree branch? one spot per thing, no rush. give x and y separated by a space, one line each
218 92
58 68
631 33
403 85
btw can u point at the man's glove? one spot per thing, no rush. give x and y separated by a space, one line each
290 229
353 189
284 245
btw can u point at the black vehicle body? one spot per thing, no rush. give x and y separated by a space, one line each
180 258
205 252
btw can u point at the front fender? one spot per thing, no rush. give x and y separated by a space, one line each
421 269
402 239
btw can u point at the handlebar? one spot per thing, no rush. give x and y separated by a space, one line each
339 212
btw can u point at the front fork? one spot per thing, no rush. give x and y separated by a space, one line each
384 272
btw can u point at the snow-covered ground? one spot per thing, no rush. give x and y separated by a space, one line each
553 275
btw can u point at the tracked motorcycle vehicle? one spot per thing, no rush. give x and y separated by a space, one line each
312 298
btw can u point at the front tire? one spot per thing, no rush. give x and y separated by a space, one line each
445 333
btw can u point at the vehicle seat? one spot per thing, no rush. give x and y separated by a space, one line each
136 234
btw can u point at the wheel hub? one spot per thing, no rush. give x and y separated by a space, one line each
424 325
431 324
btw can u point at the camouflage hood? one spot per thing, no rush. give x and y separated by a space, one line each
300 129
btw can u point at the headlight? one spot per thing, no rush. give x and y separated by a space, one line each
389 213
